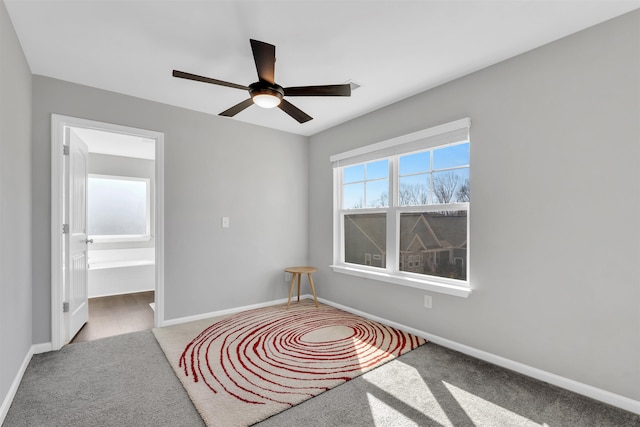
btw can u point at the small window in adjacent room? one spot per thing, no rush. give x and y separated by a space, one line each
406 202
118 208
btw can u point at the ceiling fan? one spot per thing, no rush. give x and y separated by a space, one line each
265 92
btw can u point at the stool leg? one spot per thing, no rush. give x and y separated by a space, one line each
313 289
293 280
299 276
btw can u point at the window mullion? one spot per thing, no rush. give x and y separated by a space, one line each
338 221
392 216
364 186
431 195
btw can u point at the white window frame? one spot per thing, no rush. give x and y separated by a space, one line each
113 238
437 136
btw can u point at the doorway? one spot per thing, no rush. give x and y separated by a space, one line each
117 315
111 247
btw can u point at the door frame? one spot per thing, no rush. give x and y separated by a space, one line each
58 124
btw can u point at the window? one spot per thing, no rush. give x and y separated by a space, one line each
118 208
401 210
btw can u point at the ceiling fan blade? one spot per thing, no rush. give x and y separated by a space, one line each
237 108
326 90
189 76
294 111
264 55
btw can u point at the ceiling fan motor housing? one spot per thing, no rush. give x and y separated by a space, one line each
265 88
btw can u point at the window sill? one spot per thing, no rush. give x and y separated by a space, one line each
120 239
427 285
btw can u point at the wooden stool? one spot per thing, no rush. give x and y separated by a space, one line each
296 272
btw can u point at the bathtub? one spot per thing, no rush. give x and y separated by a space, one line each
121 271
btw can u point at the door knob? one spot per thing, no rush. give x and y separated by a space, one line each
88 241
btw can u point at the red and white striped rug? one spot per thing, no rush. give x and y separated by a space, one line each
249 366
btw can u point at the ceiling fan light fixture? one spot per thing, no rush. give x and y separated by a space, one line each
266 100
266 95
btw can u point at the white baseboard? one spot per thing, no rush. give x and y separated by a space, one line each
8 399
42 348
224 312
613 399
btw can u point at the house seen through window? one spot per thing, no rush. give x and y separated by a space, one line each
403 209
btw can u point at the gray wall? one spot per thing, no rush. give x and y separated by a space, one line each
214 167
555 202
104 164
15 204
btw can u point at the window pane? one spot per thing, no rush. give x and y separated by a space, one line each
353 196
117 207
450 157
379 169
434 243
414 190
378 193
451 186
365 239
354 173
415 163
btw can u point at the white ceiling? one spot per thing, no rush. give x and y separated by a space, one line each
117 144
394 49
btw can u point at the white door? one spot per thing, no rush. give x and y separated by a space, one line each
76 259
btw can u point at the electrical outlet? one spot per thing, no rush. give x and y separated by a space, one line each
428 303
287 276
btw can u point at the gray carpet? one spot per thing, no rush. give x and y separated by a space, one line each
117 381
435 386
127 381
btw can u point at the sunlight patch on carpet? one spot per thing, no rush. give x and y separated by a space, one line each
420 401
483 412
384 414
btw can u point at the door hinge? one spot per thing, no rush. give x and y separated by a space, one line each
65 307
65 228
65 150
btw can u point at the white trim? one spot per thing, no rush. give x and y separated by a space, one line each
227 312
158 231
13 389
405 280
121 238
601 395
447 134
461 124
120 264
11 393
58 123
42 347
57 219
